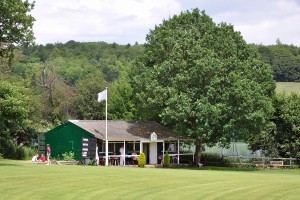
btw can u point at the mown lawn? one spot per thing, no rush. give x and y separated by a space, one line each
24 180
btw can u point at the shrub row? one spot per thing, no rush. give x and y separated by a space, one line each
212 159
12 151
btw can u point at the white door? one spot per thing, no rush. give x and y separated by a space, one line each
153 153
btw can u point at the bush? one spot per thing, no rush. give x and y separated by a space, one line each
29 152
24 153
142 160
20 153
166 160
12 151
68 156
213 159
9 150
186 159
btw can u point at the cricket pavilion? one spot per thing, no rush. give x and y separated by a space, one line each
149 137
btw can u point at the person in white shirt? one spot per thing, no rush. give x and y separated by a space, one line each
35 158
97 156
122 157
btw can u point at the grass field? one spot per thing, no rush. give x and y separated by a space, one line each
23 180
288 87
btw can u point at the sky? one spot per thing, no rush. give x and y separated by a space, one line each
129 21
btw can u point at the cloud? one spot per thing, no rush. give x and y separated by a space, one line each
110 21
279 21
128 21
260 21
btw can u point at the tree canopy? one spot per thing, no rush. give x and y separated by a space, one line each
19 109
67 77
284 139
286 118
15 25
284 60
203 81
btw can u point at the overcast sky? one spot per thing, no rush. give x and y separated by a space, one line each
128 21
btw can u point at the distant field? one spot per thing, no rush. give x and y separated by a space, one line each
24 180
288 87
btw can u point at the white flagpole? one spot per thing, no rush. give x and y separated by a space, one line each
106 139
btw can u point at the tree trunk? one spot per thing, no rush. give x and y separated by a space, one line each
198 152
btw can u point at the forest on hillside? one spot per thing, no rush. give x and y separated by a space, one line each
284 60
63 79
66 78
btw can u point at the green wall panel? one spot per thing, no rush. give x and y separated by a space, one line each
65 138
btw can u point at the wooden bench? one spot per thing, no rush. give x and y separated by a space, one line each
276 163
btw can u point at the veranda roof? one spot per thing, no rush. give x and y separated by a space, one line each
126 130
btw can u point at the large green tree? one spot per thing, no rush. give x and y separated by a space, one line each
203 81
19 111
15 25
287 120
284 140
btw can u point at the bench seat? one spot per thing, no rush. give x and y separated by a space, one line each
276 163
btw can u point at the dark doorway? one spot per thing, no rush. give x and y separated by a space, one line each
146 150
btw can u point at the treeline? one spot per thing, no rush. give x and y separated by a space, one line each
284 60
73 60
68 77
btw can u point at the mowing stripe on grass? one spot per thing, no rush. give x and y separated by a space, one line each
23 180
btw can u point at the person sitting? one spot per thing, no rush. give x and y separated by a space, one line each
160 159
35 158
43 158
101 160
134 157
114 159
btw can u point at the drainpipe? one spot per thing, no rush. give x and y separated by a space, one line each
178 153
163 149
